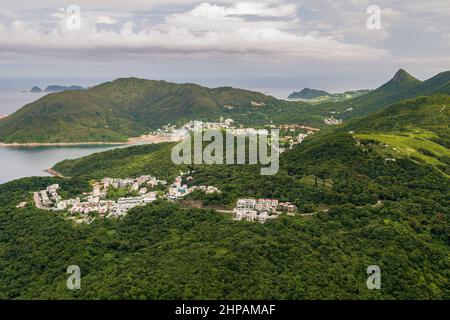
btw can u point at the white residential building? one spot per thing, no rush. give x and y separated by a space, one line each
246 204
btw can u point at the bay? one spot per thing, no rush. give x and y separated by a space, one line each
19 162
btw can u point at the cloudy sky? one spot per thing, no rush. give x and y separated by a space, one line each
268 45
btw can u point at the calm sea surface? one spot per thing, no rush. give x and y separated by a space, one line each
19 162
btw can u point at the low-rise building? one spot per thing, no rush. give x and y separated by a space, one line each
287 207
246 204
332 121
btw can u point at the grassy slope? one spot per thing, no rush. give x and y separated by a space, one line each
411 145
416 128
402 86
116 110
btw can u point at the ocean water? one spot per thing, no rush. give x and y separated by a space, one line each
19 162
11 101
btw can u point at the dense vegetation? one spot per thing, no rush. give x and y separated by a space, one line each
115 111
167 252
123 162
367 210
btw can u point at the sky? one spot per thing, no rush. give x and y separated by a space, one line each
274 46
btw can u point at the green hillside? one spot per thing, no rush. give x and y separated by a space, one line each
313 96
372 192
117 110
392 214
426 113
307 94
402 86
417 128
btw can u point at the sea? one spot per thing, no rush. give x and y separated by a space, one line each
19 162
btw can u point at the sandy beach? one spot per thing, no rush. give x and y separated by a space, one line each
149 139
144 139
55 173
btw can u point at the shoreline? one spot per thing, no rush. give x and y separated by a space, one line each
131 141
55 173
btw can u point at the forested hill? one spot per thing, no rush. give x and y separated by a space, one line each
363 210
426 113
308 93
124 108
402 86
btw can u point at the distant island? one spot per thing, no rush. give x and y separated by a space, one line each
313 95
35 89
56 88
308 94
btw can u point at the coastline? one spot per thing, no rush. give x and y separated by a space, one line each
144 139
131 141
55 173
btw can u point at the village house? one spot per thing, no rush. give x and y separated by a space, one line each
287 207
262 209
269 205
332 121
246 204
96 202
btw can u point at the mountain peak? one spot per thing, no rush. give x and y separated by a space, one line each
401 75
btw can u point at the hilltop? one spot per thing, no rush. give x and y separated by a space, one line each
308 94
117 110
320 96
402 86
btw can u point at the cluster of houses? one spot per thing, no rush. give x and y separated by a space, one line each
259 210
257 104
262 209
179 133
293 141
178 190
97 202
294 127
47 197
332 121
